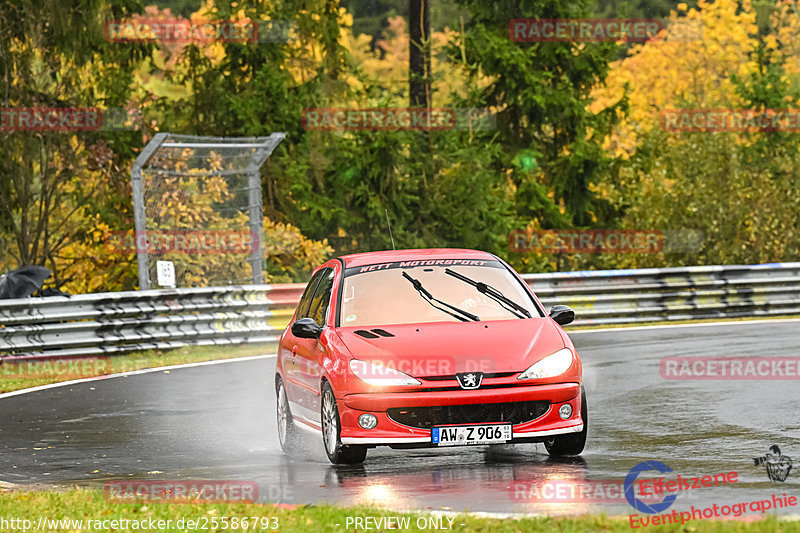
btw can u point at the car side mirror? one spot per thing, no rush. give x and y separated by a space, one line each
306 328
562 314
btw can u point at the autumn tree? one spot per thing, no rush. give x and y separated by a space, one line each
738 189
549 143
53 185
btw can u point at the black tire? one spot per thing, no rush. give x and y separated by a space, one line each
338 453
570 444
287 432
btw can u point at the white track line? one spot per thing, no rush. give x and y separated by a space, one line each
134 373
698 325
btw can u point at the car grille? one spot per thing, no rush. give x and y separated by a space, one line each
427 417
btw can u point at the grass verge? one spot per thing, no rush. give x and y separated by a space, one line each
90 505
16 376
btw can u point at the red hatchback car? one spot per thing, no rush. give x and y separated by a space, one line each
427 348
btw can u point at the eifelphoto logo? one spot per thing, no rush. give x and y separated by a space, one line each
730 120
68 119
696 368
185 31
668 488
397 119
181 491
604 241
638 503
183 242
724 512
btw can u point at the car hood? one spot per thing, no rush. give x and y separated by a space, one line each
445 348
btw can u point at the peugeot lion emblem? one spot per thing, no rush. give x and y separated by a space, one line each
470 380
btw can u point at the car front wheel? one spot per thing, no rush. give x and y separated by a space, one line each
571 444
331 433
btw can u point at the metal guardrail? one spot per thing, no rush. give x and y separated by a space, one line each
669 294
110 323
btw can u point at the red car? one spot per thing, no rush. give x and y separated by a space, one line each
426 348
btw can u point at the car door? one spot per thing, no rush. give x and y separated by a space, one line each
288 348
310 351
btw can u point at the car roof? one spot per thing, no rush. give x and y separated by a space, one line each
371 258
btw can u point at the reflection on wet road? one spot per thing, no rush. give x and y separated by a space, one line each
217 422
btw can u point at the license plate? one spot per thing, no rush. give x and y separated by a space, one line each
466 435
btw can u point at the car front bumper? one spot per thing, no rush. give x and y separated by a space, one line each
390 432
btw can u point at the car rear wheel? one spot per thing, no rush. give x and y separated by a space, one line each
331 433
287 433
571 444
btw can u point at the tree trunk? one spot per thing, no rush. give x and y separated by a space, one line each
419 57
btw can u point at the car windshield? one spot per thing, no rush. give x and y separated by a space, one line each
423 291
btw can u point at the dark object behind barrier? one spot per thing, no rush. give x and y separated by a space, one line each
22 282
52 291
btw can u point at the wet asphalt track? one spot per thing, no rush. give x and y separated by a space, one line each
217 422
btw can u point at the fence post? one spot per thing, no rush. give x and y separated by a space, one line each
139 221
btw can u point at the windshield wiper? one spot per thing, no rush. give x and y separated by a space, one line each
428 297
505 302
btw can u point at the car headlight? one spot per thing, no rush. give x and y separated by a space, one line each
379 374
552 365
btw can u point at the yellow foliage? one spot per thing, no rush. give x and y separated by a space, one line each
690 65
786 21
99 258
387 66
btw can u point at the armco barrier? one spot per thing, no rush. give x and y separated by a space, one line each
109 323
668 294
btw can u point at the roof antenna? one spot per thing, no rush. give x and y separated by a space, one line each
390 227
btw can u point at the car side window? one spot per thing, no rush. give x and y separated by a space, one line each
322 298
305 300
